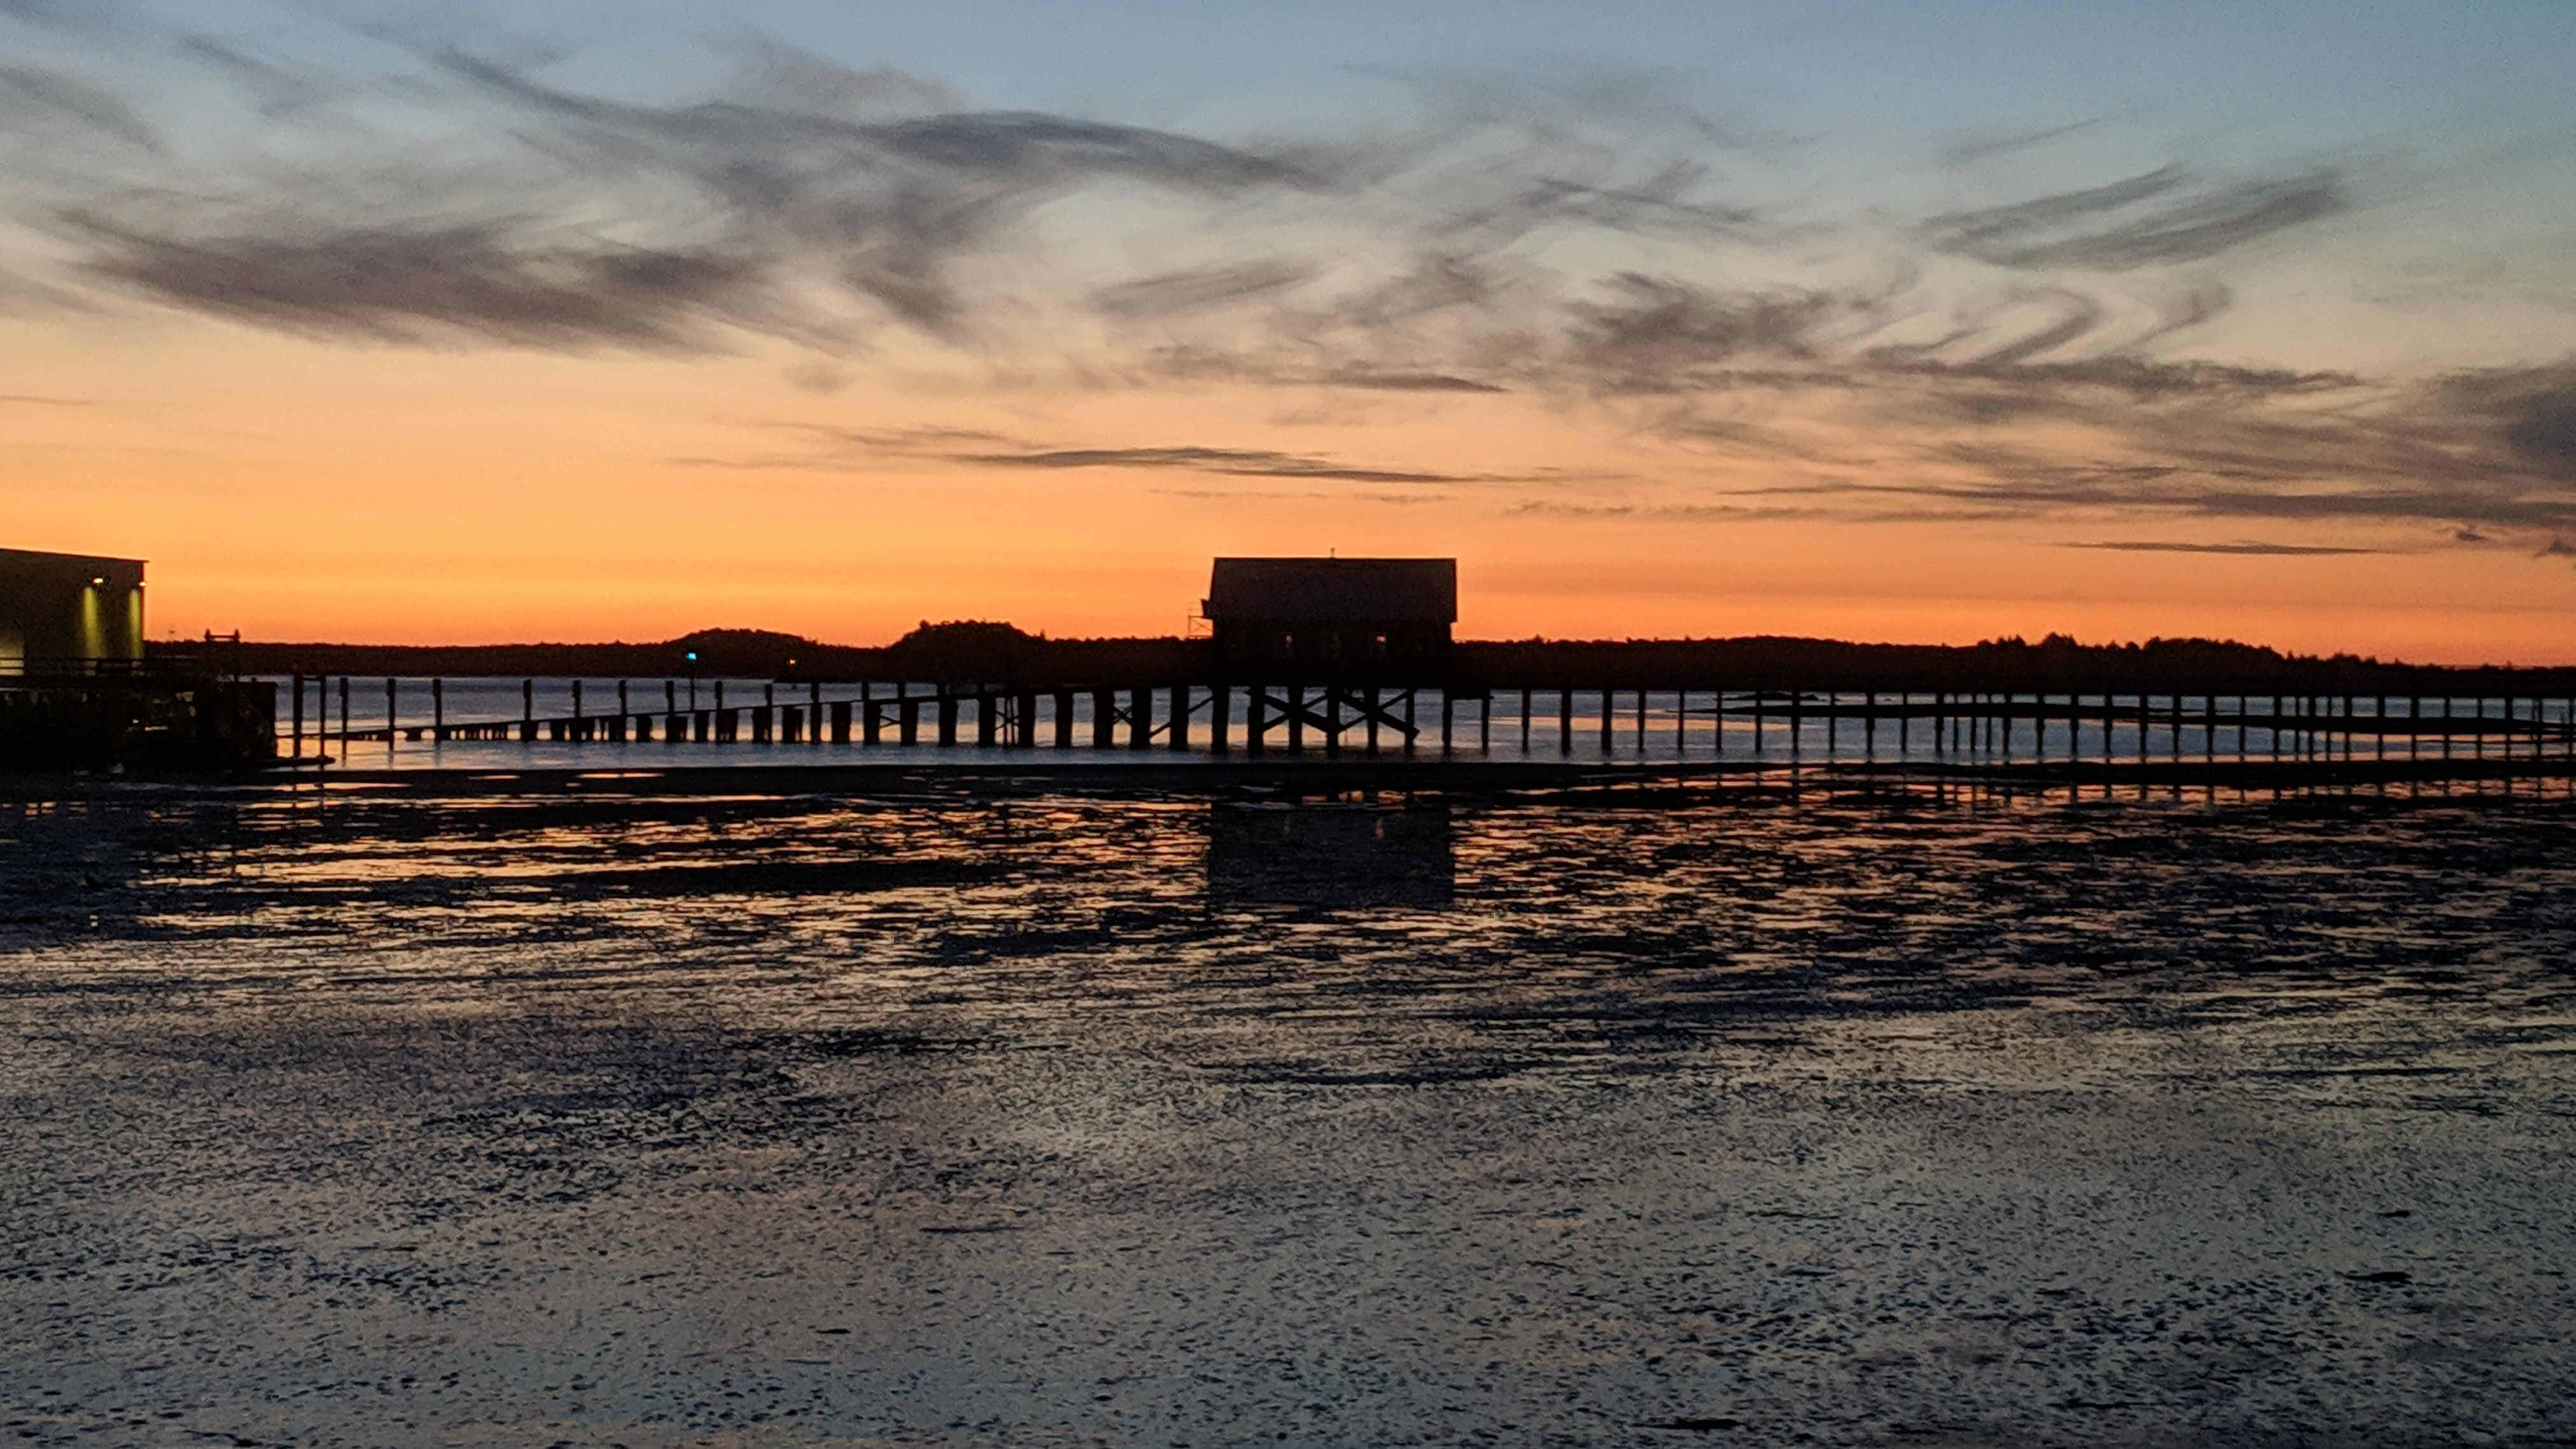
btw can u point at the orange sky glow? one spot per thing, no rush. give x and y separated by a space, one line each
481 495
360 334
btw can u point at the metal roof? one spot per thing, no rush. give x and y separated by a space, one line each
1375 590
39 558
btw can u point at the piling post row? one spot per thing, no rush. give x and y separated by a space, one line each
2304 726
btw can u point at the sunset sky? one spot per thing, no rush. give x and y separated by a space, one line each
431 323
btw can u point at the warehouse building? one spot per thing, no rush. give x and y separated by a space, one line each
64 613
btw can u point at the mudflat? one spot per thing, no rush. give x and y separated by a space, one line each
1145 1117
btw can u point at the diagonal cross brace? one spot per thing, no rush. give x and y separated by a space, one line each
1355 704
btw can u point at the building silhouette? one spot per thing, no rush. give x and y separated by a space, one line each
69 613
1327 616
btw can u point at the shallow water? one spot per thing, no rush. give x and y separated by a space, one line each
956 1118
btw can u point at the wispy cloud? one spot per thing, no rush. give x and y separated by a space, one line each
396 285
1587 245
1238 495
2248 549
2166 215
1989 144
1235 462
822 204
839 449
47 103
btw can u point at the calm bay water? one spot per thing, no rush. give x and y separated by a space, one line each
391 1117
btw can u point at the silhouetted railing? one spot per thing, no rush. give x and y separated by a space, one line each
47 669
1837 727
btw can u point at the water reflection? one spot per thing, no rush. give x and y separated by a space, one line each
1332 854
621 1116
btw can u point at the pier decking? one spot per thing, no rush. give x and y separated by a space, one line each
1332 719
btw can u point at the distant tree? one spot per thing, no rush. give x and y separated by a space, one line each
967 649
753 653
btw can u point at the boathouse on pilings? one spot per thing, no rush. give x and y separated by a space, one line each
77 693
69 614
1325 617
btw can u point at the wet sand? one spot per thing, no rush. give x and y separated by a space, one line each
1141 1118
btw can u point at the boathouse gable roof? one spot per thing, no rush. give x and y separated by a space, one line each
1315 590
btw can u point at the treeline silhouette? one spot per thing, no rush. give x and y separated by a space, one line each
980 652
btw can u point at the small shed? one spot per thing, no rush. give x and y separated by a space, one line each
68 613
1332 615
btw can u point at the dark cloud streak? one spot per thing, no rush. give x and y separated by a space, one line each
417 286
1237 462
34 100
2248 550
2139 222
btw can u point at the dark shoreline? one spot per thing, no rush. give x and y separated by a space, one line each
2054 665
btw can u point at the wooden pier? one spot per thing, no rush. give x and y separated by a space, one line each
1336 718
